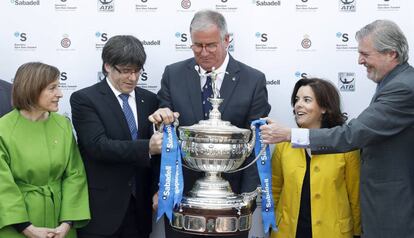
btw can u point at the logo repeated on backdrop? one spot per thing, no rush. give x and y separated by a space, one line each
306 6
344 42
347 5
182 41
25 2
300 75
273 82
22 42
66 83
100 76
261 3
101 39
65 43
226 5
151 42
346 81
145 83
106 5
145 6
387 5
231 43
185 6
263 42
306 44
65 6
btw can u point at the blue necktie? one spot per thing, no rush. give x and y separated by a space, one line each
129 116
206 92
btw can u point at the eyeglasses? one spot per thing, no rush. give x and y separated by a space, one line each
128 71
211 47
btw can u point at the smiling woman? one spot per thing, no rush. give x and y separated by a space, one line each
327 204
43 191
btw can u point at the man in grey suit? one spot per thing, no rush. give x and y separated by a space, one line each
384 132
5 97
243 89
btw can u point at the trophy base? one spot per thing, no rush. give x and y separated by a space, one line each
212 217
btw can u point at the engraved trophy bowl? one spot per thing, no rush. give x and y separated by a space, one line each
211 208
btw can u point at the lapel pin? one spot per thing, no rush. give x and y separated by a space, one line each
142 100
234 79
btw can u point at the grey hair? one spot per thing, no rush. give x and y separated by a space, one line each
206 18
386 36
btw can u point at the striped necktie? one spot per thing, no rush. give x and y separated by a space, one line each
129 116
206 92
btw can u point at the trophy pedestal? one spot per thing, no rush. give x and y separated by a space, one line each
213 209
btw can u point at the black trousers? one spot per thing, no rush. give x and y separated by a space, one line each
170 233
128 228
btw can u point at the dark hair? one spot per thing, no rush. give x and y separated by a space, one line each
30 80
327 97
123 50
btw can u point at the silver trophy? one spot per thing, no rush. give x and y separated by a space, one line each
214 146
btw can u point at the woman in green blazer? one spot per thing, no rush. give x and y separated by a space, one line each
43 190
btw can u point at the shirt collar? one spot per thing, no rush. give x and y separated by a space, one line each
116 91
220 70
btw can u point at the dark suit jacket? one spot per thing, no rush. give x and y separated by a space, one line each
5 97
111 158
385 133
245 99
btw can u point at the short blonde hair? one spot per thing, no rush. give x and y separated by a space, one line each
30 80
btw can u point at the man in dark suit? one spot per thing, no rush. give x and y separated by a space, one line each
5 97
243 89
116 140
384 131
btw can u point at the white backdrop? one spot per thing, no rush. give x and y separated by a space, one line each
285 39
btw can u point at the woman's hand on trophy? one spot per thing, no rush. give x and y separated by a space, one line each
163 115
273 132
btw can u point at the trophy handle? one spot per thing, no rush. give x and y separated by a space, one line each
250 148
161 128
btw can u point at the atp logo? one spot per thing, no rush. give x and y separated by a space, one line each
346 81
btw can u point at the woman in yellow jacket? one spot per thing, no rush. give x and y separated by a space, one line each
316 196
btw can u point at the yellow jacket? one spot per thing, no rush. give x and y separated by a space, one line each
334 192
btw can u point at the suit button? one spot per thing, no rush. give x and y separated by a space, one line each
319 222
129 184
317 196
316 169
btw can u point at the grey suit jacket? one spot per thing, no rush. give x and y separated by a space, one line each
385 133
245 99
5 97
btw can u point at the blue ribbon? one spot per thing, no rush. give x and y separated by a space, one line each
171 179
264 167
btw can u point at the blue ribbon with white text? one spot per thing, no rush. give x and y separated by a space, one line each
171 180
264 167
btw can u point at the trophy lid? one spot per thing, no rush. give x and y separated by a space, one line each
214 126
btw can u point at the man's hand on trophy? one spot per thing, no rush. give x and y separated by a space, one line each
155 143
274 132
163 115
